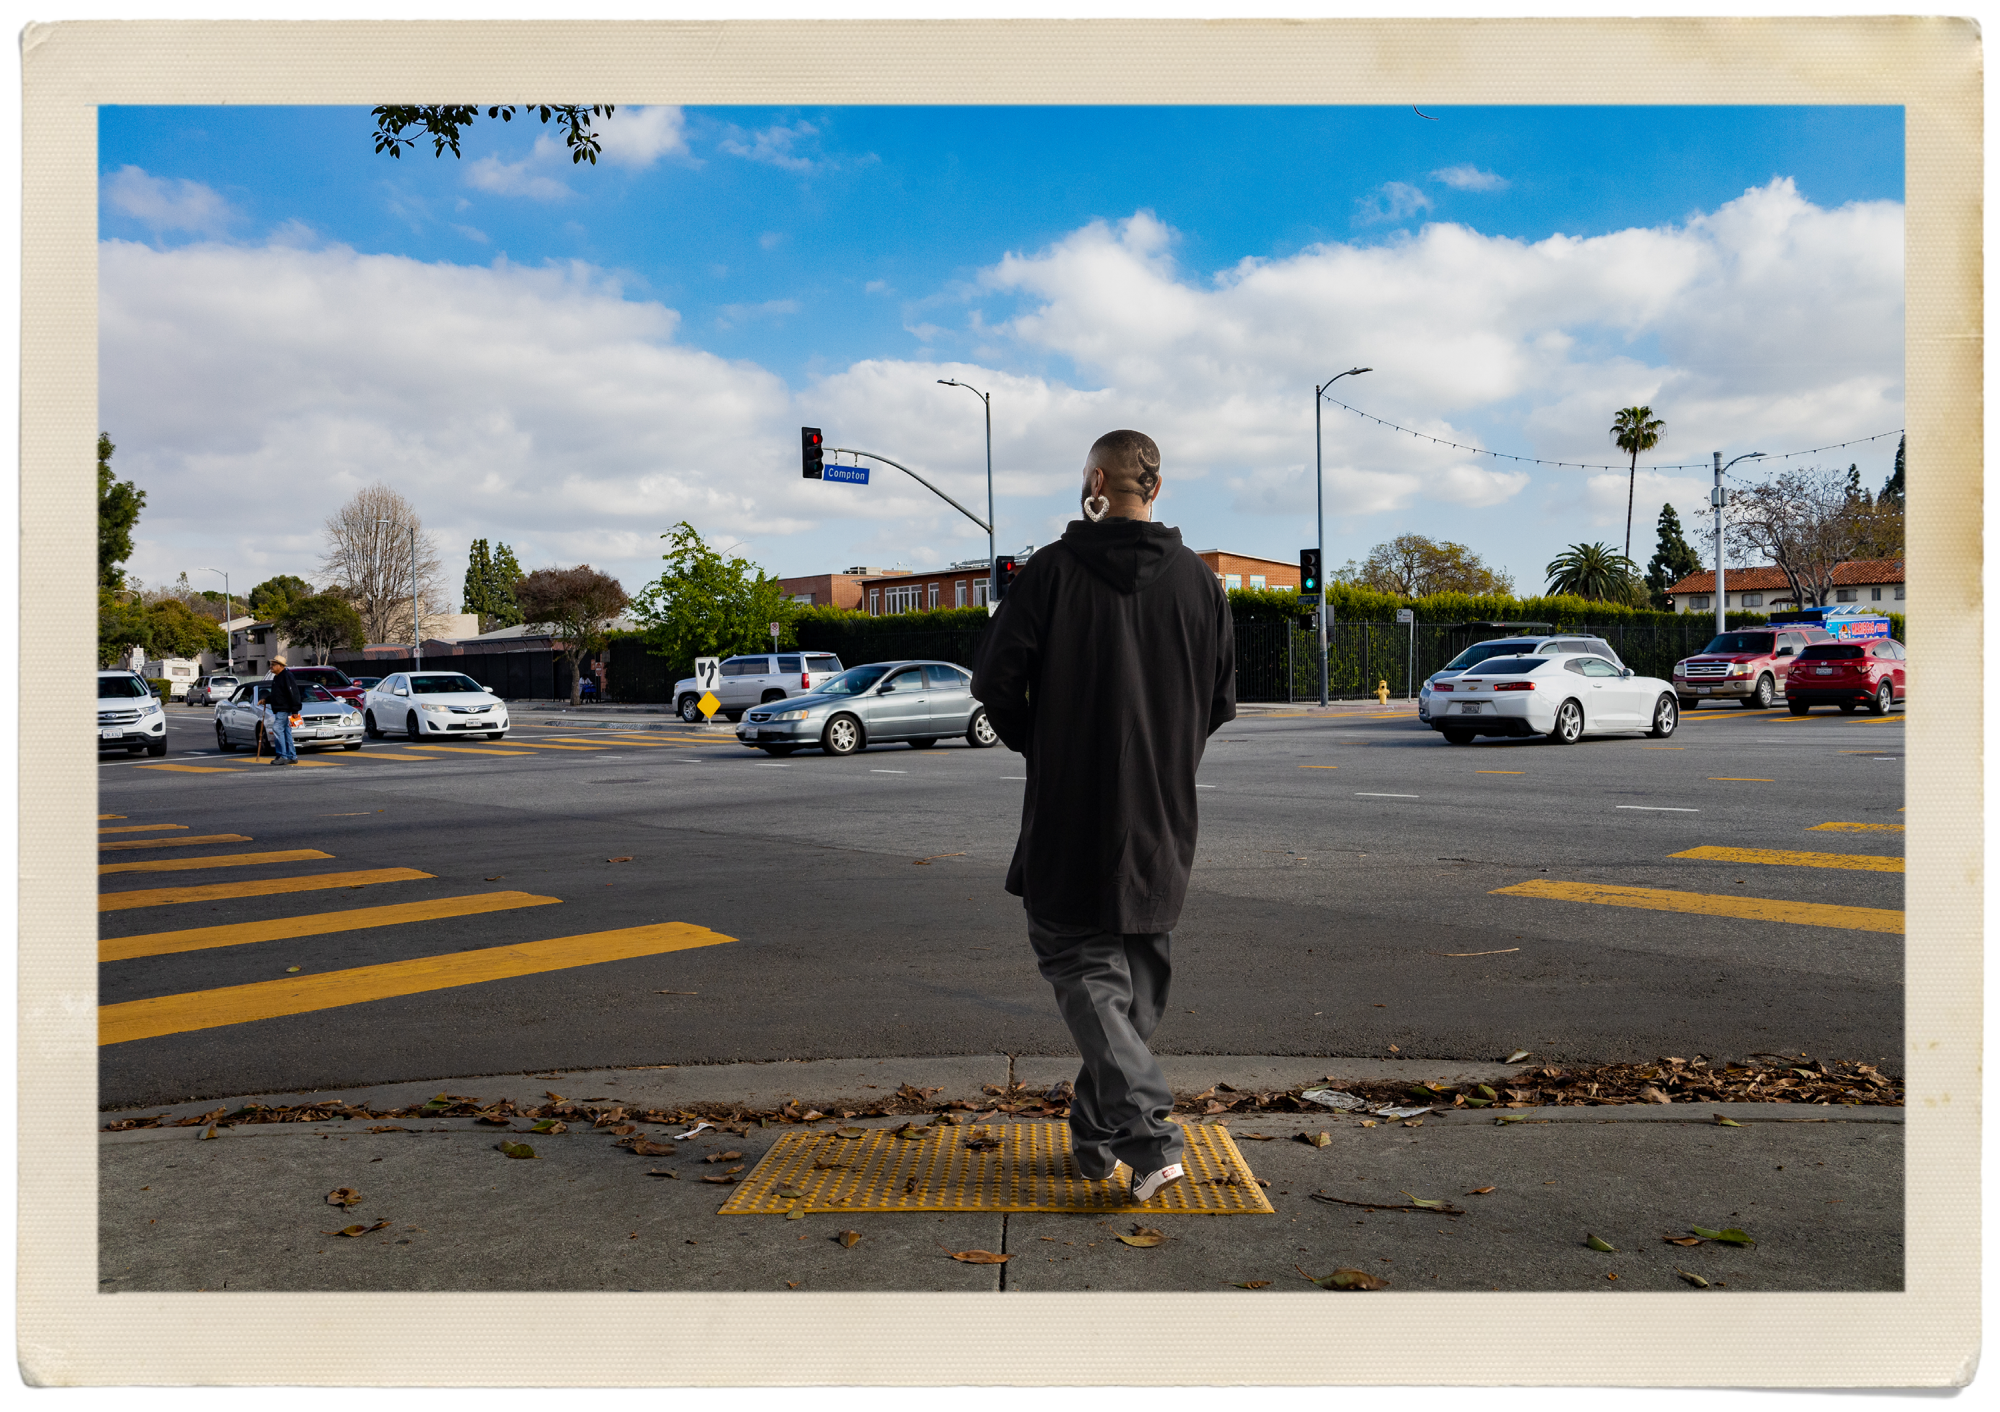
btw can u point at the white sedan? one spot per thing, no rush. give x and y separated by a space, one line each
432 704
1563 698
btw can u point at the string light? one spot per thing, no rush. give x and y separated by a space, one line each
1588 466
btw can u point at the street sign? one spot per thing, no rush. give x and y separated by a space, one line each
708 704
850 475
707 673
774 635
1406 615
1310 600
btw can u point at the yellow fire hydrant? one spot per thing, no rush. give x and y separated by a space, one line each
1382 692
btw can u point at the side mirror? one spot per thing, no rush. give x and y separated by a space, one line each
1626 673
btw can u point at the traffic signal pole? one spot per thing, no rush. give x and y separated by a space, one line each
1319 504
874 456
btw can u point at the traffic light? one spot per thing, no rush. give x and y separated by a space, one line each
1003 574
1308 571
814 446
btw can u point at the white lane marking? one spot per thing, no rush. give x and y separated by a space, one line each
1659 809
769 765
1013 777
888 772
1365 794
1210 786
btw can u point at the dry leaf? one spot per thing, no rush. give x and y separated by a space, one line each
1394 1050
1319 1139
656 1172
1479 1191
850 1132
1722 1122
517 1149
641 1147
496 877
388 1128
1144 1241
982 1144
1263 1137
1347 1279
496 1119
625 1129
1728 1234
1681 1240
343 1196
1367 1122
1250 1284
1427 1205
1653 1095
1516 1057
626 859
1692 1278
554 1125
797 1213
789 1193
849 1238
357 1230
722 1157
979 1257
719 1181
1599 1243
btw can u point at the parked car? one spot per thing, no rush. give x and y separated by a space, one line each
1848 675
206 691
1554 645
433 704
1561 697
752 680
330 679
1749 666
129 715
918 702
367 684
324 719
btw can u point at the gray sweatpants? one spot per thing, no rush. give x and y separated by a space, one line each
1111 988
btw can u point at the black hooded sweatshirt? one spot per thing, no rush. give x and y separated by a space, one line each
1108 664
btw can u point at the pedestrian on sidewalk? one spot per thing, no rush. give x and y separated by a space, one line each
1108 664
282 701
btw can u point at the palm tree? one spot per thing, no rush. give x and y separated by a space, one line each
1634 429
1591 571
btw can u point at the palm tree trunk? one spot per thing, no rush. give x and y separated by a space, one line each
1631 486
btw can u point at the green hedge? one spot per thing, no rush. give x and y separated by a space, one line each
1360 605
162 687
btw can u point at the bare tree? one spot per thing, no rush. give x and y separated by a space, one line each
1805 522
573 606
368 559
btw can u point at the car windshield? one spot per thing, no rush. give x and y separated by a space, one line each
120 686
1832 652
309 692
1479 652
1511 666
855 680
1758 642
435 683
325 676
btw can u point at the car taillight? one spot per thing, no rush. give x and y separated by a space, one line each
805 681
1441 686
1515 686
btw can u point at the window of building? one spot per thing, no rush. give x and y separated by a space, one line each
979 593
1899 593
934 595
1232 580
1875 595
1257 581
960 589
1700 600
805 598
1753 600
874 602
1843 595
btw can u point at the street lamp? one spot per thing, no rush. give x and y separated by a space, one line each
992 546
228 638
1718 498
1319 501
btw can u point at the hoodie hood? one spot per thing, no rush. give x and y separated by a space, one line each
1127 554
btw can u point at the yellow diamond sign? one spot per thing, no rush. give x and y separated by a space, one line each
709 704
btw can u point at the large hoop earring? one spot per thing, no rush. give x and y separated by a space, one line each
1097 507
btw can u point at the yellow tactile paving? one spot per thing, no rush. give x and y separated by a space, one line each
1029 1171
219 860
1787 858
299 995
263 887
1856 828
127 948
175 842
1757 909
136 828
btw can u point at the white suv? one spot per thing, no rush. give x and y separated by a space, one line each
751 681
129 715
1550 646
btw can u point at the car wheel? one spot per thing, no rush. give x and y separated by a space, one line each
135 749
1666 716
772 695
355 746
1689 703
1569 724
410 727
157 749
842 736
496 735
688 710
1883 699
368 724
781 751
222 739
981 734
1763 696
1798 708
922 743
1456 737
733 716
1848 708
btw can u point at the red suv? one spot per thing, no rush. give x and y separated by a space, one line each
1848 675
1749 666
330 679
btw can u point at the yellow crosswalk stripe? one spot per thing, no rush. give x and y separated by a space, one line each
193 769
464 750
219 860
176 842
1758 909
666 742
136 828
538 745
127 948
263 887
1856 828
1786 858
111 816
298 995
385 755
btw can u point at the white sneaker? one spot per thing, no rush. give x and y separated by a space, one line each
1147 1187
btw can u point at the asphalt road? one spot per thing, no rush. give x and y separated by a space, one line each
1344 902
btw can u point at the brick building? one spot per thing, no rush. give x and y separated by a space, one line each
1877 583
832 590
880 592
1246 571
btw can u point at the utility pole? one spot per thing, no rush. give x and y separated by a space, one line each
992 546
228 637
1319 504
416 609
1719 498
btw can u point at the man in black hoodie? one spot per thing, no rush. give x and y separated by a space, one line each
283 699
1108 664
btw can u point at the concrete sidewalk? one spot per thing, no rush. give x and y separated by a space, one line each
1820 1188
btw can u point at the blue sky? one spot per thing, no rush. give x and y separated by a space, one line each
1513 275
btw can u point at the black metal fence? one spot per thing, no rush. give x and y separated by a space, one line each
513 676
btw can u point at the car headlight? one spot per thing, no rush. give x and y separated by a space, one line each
790 716
151 708
352 718
1738 669
426 706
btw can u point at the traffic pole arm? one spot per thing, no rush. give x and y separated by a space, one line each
850 451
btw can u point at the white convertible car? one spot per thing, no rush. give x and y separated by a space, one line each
1563 698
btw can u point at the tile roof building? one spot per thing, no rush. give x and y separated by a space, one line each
1874 582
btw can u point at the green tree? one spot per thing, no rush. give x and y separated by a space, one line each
1634 429
1892 488
122 624
490 580
574 606
1672 561
707 606
118 507
321 623
176 630
1413 566
270 599
443 123
1592 571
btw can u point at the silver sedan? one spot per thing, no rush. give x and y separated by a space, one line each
918 702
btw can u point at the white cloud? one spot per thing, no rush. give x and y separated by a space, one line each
1391 201
777 145
1470 178
528 177
168 203
639 137
734 314
771 239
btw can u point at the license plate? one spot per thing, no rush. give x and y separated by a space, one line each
749 732
1469 708
1822 671
109 733
1703 690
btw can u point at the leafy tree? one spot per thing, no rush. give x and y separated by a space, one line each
1412 566
122 624
443 123
270 599
1672 561
1806 522
118 506
1592 571
176 630
1634 429
490 579
708 606
1892 488
321 623
574 606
